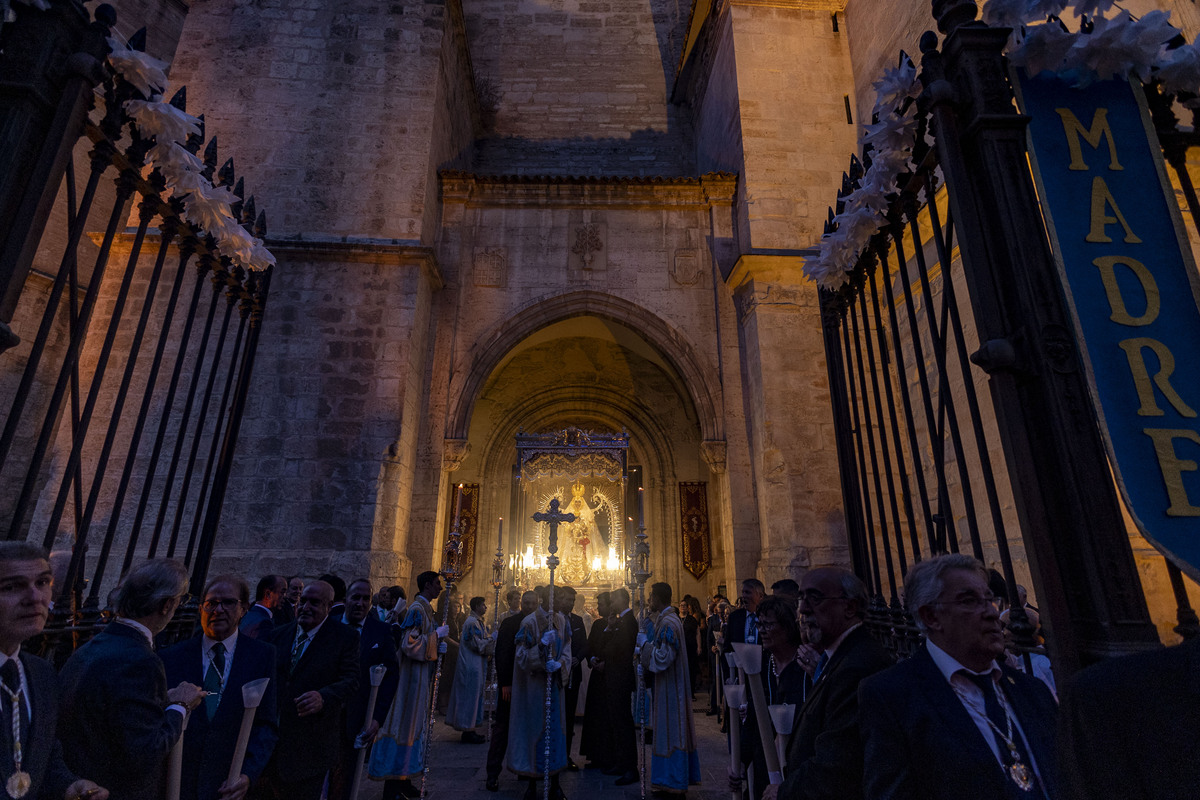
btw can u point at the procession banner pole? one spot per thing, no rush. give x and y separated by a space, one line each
451 572
553 518
491 694
641 574
360 744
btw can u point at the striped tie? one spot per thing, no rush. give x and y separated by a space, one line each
298 649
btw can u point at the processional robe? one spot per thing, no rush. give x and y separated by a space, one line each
527 721
464 712
399 751
674 763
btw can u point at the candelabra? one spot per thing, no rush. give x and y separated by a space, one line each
451 571
491 691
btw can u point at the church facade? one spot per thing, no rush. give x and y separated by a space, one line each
504 216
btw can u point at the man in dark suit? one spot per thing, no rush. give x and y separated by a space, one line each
260 620
25 590
951 722
1130 727
223 660
375 648
117 720
620 681
712 653
742 625
506 651
564 599
318 674
824 757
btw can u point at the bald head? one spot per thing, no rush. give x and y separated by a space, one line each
315 601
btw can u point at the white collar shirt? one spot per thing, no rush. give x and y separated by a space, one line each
206 655
829 651
354 626
308 637
270 613
139 627
971 697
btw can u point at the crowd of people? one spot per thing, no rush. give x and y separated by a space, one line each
354 678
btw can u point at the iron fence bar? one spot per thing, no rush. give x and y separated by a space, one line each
72 324
167 233
884 449
124 191
147 211
1189 625
100 159
943 243
835 363
261 283
862 381
201 417
186 250
936 443
215 439
939 343
913 442
905 488
869 530
203 265
181 427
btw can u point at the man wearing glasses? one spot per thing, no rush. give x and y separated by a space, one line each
825 754
952 721
223 660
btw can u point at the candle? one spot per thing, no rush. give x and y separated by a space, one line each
458 508
641 514
500 535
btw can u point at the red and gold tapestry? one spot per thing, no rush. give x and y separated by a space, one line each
693 505
469 525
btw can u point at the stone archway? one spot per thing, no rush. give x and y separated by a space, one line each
596 372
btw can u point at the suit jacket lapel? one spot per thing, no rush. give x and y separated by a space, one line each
835 661
960 727
237 679
313 645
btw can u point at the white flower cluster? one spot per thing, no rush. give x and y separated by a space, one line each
1116 47
863 210
206 206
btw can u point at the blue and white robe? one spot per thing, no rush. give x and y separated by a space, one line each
674 764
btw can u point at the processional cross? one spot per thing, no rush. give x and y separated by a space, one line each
553 518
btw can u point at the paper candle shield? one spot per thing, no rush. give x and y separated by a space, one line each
252 692
731 660
377 673
749 657
735 695
783 716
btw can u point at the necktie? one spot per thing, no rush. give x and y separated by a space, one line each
751 629
298 649
995 713
822 660
212 679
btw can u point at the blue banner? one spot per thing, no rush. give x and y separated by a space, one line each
1126 263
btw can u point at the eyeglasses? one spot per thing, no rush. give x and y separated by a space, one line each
229 604
971 603
815 599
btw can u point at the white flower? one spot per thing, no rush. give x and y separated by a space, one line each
209 214
891 133
146 73
1181 72
1043 48
895 87
162 120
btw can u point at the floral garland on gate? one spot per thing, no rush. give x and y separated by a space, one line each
1104 47
207 206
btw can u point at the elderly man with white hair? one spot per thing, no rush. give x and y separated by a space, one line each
953 721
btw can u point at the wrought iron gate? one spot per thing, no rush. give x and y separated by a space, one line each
125 400
963 421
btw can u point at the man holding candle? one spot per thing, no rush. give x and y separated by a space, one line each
223 660
399 752
620 682
375 648
317 674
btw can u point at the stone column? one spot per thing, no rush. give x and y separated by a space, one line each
792 442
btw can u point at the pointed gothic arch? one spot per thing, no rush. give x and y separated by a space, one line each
491 349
